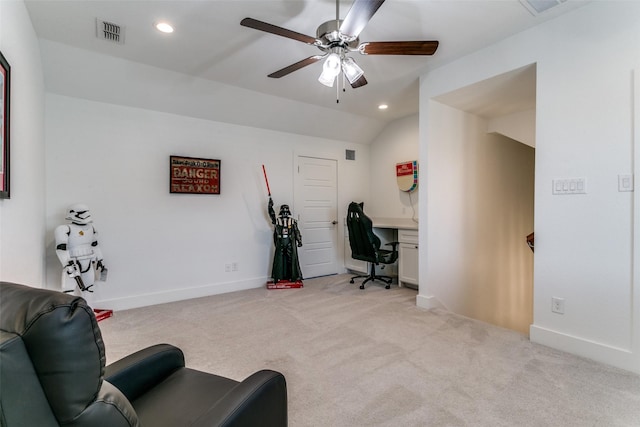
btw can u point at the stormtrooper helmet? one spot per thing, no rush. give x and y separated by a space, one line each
284 211
79 214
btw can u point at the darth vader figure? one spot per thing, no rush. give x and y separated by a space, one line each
287 239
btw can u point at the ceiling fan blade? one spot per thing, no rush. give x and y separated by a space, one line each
359 83
399 48
279 31
358 16
294 67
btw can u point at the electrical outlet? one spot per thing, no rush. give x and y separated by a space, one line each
227 268
234 266
557 305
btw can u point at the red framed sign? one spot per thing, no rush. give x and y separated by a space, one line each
194 176
5 85
407 175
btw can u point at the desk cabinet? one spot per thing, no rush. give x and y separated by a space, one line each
408 257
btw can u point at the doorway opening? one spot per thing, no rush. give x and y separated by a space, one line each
492 125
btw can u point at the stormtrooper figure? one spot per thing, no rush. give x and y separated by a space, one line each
78 251
287 239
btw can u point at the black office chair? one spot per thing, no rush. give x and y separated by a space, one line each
365 245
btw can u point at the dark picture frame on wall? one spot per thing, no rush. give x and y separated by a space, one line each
192 175
5 86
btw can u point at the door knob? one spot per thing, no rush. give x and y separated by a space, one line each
334 222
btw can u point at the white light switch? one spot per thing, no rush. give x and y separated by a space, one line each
570 186
625 182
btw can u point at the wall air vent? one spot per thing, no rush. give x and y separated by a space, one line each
109 31
536 7
350 154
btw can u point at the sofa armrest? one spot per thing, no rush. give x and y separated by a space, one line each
133 375
261 399
110 408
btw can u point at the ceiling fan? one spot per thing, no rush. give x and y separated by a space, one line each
337 39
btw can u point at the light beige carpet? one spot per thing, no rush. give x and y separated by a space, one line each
372 358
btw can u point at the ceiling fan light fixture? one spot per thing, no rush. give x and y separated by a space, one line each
351 69
330 69
338 38
326 80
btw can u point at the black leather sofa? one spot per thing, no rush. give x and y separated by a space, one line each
53 373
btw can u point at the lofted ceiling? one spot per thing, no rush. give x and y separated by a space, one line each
209 43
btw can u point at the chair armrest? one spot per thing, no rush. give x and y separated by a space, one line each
261 399
394 248
110 408
133 375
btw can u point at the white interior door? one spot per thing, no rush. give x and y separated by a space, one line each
316 207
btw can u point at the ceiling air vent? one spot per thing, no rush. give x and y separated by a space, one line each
109 31
536 7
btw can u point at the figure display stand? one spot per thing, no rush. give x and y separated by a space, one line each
81 258
285 272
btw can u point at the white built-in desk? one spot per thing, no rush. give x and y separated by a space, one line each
405 232
395 223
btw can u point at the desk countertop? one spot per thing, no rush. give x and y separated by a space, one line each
398 223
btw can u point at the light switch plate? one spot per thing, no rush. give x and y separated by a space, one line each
625 182
569 186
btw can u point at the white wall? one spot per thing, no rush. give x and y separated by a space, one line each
22 216
398 142
159 246
584 118
81 73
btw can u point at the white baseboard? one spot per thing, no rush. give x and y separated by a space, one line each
428 302
619 357
144 300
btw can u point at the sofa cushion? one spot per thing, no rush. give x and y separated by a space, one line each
181 398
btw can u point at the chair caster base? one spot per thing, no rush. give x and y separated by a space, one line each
388 287
361 286
351 281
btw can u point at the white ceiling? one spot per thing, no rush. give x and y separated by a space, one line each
209 42
498 96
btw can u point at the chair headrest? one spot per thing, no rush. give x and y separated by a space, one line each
64 343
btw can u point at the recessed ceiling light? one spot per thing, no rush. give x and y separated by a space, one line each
163 27
383 107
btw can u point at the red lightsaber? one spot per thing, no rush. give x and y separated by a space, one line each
264 171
